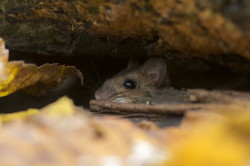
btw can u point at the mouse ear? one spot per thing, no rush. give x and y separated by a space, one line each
155 69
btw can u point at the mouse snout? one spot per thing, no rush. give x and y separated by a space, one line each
100 96
97 95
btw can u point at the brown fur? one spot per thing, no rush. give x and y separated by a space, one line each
150 76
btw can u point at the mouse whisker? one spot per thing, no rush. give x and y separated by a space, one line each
95 86
89 91
88 87
96 71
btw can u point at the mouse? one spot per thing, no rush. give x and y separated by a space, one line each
140 83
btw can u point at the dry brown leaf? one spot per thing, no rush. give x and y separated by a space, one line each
32 79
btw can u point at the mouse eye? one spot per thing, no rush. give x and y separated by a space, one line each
130 84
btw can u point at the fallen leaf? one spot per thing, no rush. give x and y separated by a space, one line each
63 107
32 79
218 140
63 134
17 115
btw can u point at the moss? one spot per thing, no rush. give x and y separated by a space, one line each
198 29
93 10
150 9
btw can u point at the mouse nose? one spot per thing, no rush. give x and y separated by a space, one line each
99 95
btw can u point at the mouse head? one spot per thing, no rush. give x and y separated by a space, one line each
134 83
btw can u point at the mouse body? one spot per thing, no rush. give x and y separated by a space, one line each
136 83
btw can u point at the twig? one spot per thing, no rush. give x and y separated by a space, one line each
143 108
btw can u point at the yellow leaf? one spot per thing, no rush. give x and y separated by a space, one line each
18 115
34 80
217 142
61 108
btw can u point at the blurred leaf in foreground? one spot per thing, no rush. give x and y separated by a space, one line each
32 79
64 107
63 134
17 115
213 140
